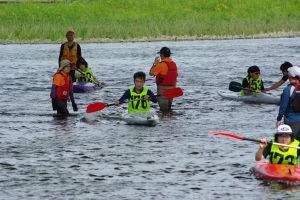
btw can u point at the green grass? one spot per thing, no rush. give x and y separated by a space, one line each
129 19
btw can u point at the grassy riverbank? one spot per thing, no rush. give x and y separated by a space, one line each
146 20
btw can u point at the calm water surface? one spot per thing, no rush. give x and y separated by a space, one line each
97 156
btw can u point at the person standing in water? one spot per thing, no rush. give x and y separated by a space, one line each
166 73
70 50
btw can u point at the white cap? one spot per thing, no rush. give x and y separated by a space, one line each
294 71
284 129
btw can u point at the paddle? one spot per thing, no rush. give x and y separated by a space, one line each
169 93
236 87
249 139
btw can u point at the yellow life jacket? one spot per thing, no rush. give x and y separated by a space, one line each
289 157
254 84
72 54
88 73
139 105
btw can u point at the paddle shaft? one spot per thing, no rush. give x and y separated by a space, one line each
112 104
236 85
275 143
169 93
249 139
87 77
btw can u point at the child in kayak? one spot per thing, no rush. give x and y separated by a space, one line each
84 72
252 81
279 154
138 92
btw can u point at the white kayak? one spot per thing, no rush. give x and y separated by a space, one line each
141 118
256 98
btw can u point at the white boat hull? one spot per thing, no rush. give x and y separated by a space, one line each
141 118
256 98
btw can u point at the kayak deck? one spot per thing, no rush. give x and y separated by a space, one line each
81 87
255 98
141 118
277 172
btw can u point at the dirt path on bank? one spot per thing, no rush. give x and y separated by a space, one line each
282 34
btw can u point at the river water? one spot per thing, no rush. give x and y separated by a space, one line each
98 156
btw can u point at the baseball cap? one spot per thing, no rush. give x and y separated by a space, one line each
165 51
70 32
284 129
294 71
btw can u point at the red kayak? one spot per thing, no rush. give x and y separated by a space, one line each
277 172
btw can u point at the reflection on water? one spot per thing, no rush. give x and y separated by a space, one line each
98 156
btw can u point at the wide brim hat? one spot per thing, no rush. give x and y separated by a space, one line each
63 63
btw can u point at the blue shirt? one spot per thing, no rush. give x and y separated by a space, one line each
290 116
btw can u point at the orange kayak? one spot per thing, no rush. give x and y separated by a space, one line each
277 172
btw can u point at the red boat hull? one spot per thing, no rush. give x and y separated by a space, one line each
277 172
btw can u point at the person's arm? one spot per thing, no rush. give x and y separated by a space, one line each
74 105
262 86
262 145
125 96
72 96
53 91
60 53
78 51
151 96
275 85
77 74
97 81
156 61
284 101
245 84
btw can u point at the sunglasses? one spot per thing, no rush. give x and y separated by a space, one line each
257 73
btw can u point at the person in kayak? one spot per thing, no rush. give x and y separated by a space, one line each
252 81
279 154
289 103
84 72
138 92
62 89
285 76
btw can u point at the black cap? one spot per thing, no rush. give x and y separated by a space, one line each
165 51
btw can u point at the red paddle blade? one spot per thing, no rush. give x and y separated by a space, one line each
172 92
95 107
226 134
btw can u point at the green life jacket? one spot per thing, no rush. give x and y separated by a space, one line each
88 73
290 157
255 85
139 105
